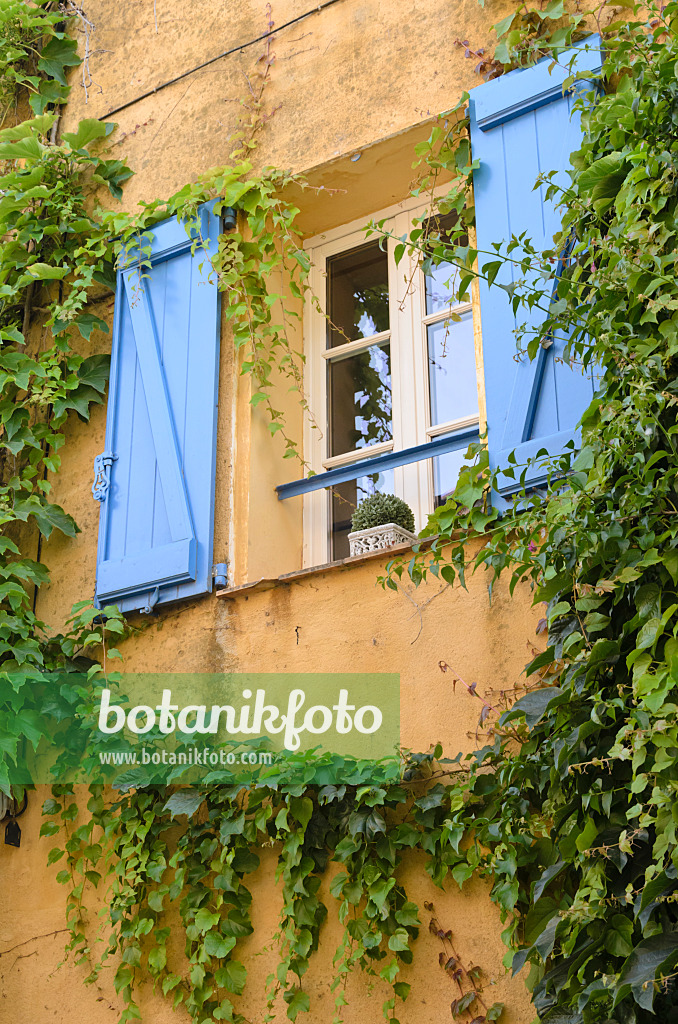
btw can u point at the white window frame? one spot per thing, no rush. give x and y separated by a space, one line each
409 373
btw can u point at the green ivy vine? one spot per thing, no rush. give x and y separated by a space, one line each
569 808
365 825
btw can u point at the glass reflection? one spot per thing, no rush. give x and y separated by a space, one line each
360 399
357 294
445 475
442 280
452 369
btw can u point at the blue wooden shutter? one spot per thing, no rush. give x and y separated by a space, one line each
155 480
521 126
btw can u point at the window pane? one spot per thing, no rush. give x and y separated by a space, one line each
360 399
344 500
442 279
445 473
452 369
357 294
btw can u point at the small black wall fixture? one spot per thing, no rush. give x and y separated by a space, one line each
229 219
12 830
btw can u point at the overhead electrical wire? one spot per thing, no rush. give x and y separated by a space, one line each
219 56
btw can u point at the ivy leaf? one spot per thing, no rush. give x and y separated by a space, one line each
94 371
155 901
651 956
216 944
113 173
22 149
547 876
402 989
28 129
245 861
603 180
78 400
157 959
132 955
231 827
399 941
56 56
408 915
30 724
184 801
237 923
619 935
46 272
649 634
461 873
533 706
545 942
302 809
502 27
554 10
48 517
586 836
14 334
232 976
653 895
123 978
88 130
206 919
49 92
297 1002
86 323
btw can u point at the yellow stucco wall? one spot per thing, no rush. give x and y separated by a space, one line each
361 75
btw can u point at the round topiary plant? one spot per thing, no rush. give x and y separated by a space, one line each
380 509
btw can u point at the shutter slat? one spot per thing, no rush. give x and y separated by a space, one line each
160 419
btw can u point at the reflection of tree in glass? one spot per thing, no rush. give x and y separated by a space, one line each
442 236
371 307
369 485
372 397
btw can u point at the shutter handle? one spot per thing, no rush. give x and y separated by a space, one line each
102 475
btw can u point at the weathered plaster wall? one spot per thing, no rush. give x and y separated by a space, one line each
344 623
362 75
358 71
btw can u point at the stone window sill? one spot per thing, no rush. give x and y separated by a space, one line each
316 570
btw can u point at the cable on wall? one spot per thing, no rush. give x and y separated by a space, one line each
219 56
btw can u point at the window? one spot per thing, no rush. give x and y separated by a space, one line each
391 365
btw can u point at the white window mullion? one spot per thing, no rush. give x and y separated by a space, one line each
415 478
316 522
401 366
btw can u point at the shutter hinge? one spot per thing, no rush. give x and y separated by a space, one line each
102 475
220 574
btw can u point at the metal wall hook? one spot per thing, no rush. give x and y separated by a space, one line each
152 601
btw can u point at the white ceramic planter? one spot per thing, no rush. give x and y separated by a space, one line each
378 538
